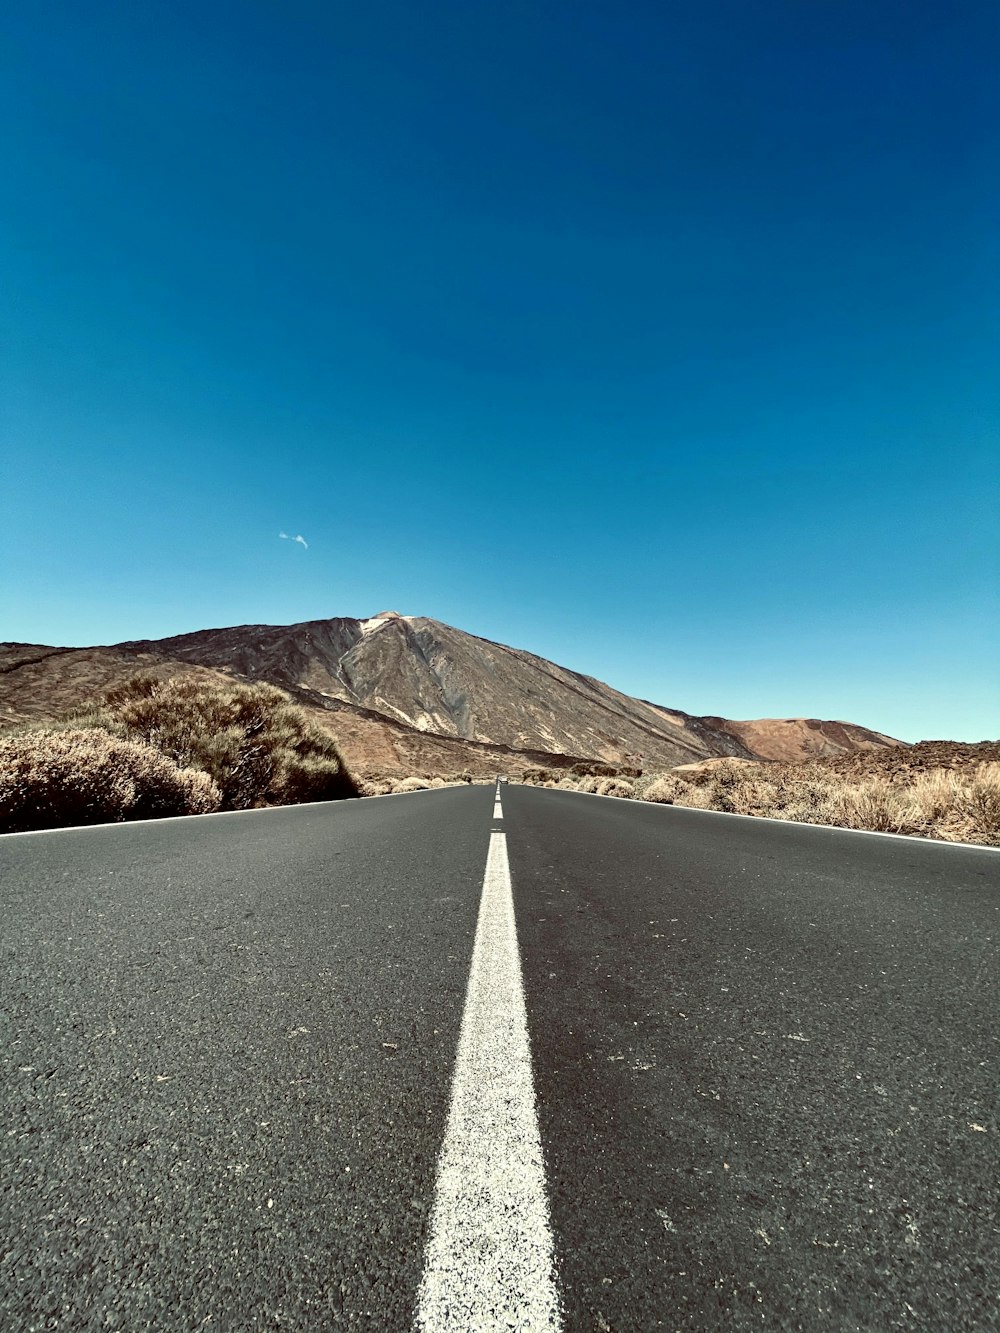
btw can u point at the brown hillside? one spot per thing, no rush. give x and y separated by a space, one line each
41 685
795 739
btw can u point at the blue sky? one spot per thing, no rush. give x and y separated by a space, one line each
658 338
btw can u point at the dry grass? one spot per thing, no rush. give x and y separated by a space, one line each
54 779
957 801
956 805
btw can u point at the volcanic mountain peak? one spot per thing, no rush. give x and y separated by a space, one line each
383 618
402 678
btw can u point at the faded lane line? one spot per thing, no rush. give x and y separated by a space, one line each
489 1260
497 810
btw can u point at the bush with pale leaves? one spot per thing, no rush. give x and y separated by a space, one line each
257 746
665 790
56 779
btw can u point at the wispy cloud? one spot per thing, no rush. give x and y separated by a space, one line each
301 540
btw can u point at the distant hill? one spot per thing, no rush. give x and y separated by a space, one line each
791 739
406 693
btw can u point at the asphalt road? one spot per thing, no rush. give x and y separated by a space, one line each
764 1057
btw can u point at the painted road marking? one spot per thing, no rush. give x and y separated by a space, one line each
497 810
489 1259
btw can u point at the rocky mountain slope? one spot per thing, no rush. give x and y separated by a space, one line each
791 740
408 691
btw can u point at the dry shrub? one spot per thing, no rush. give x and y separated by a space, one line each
933 796
298 779
811 790
722 773
802 812
979 803
728 787
874 805
375 786
665 790
54 779
257 746
412 784
938 803
695 798
754 796
557 782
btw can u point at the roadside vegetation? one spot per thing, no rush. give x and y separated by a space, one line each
957 802
389 785
158 746
154 747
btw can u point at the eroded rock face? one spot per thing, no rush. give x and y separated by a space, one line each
434 679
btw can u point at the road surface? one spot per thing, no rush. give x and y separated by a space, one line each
727 1074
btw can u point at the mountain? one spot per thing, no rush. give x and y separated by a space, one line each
791 740
407 693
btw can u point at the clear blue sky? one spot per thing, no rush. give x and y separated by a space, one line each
660 338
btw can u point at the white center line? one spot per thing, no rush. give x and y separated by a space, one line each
489 1259
497 810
